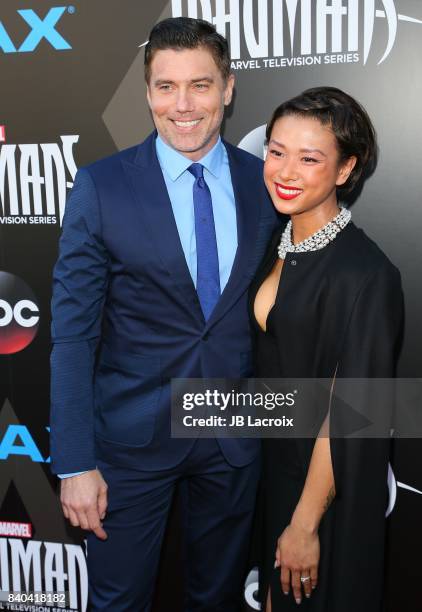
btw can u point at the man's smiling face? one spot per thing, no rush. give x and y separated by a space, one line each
187 95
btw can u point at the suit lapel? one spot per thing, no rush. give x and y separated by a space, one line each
154 208
247 217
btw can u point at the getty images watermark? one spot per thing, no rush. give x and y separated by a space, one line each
296 408
227 402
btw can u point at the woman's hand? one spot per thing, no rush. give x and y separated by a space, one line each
297 554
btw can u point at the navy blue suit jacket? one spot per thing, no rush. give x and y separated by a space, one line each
126 317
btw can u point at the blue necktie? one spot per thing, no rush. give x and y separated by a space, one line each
208 274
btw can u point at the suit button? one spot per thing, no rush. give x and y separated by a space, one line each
206 336
293 262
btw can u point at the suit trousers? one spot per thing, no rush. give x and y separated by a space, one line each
217 506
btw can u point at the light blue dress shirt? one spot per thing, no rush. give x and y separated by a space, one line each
179 182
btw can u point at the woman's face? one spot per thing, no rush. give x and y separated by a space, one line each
302 167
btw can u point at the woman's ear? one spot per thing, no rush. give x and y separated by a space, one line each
345 169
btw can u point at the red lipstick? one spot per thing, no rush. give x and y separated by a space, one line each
287 193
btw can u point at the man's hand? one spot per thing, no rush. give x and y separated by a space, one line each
84 501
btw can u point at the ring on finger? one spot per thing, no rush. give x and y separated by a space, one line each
304 579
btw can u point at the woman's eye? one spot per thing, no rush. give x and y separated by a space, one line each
310 160
276 153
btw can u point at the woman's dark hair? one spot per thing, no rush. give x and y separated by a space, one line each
185 33
349 121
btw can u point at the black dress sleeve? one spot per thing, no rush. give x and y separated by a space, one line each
372 342
369 351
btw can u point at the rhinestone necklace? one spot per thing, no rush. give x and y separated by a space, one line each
317 241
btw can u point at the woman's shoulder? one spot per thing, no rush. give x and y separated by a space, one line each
362 254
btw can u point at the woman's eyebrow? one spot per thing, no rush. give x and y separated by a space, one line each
313 151
281 145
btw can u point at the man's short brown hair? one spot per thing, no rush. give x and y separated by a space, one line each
185 33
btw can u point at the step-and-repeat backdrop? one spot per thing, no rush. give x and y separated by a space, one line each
72 91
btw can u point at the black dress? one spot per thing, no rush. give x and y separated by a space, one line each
337 310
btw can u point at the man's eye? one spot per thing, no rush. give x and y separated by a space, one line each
310 160
164 87
201 86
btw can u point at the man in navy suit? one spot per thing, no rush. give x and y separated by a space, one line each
159 245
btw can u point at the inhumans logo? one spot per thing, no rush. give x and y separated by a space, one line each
304 28
19 314
34 179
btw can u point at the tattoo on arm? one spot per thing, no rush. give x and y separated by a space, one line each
330 497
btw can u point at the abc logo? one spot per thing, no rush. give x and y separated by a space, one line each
254 142
19 314
251 590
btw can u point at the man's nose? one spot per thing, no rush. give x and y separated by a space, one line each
184 101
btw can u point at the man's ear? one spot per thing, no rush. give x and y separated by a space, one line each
345 170
228 92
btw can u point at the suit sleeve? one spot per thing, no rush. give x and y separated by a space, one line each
370 351
80 280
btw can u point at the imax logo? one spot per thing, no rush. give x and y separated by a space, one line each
40 29
281 28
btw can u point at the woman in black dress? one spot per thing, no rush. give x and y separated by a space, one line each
326 303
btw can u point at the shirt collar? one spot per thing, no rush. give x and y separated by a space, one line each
174 163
